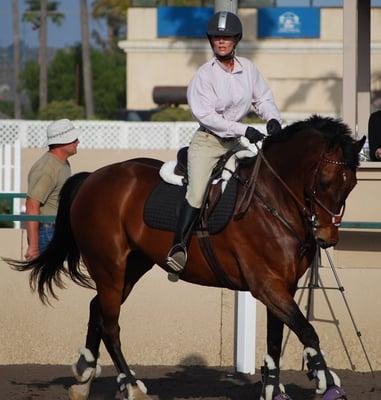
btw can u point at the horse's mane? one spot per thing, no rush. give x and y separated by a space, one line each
336 133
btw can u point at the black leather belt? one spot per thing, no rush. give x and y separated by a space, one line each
206 130
203 129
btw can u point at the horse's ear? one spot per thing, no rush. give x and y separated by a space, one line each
359 144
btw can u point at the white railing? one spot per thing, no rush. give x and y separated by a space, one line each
10 167
105 134
10 172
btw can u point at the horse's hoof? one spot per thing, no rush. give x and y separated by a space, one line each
132 393
335 393
79 392
282 396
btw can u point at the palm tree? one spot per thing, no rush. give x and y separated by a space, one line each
115 13
43 81
16 58
86 61
37 14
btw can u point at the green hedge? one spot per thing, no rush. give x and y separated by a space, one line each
172 114
5 208
62 109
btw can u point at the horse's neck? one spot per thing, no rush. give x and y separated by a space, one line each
293 158
293 163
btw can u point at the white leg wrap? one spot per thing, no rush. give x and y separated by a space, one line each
88 373
319 374
269 389
131 391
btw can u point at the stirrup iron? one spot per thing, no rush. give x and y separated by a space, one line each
176 261
177 258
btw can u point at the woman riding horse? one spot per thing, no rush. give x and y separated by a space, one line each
220 95
305 177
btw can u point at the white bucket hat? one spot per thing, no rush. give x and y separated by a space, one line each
62 131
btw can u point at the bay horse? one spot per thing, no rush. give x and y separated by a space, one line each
297 204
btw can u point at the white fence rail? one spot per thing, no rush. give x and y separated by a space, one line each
105 134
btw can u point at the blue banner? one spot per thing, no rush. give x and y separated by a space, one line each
183 21
289 22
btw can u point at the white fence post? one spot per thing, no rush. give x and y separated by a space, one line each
245 339
10 172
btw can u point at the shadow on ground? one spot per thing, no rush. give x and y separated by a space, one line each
165 383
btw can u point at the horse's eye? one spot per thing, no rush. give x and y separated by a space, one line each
323 184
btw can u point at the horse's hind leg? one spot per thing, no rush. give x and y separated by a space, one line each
271 386
280 302
112 292
103 323
86 368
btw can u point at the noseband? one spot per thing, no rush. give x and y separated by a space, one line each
335 218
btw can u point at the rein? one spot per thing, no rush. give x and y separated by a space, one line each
309 213
245 200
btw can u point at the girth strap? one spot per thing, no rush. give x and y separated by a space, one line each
219 272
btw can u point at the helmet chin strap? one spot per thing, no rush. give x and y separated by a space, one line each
226 57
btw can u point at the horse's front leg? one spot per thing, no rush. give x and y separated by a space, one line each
272 389
327 382
280 302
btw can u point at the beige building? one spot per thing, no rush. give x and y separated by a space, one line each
304 74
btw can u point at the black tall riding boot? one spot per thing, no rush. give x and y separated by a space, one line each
177 256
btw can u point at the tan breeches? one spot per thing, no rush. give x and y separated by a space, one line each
203 154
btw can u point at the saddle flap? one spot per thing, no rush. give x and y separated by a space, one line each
161 207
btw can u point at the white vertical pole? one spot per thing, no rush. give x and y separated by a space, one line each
245 332
226 5
1 168
16 179
17 166
7 168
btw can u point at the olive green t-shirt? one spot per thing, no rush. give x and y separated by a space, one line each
45 180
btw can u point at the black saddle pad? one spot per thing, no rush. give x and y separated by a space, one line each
162 207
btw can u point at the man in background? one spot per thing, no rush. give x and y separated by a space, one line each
45 180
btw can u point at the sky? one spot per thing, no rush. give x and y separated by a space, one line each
58 36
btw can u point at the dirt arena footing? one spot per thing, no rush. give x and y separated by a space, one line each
48 382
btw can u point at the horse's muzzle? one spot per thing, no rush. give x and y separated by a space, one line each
324 244
326 237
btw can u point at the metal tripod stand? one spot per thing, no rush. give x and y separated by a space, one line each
314 283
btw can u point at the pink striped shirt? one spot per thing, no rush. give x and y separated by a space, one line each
220 99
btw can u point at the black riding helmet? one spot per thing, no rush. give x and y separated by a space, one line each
224 23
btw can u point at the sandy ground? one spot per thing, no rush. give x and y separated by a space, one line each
48 382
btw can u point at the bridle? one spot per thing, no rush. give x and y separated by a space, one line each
313 199
307 210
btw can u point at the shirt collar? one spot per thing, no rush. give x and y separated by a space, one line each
237 65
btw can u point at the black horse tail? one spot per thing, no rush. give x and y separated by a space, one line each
47 268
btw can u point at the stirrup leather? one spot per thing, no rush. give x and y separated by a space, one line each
177 258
